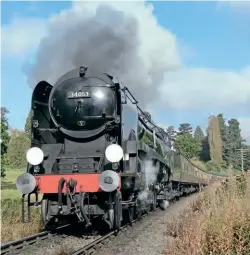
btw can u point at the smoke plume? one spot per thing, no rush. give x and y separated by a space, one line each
120 38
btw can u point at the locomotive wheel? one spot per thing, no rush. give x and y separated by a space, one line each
48 223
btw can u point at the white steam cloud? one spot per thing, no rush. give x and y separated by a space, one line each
110 37
143 195
164 204
150 172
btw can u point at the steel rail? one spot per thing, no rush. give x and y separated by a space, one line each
29 240
97 244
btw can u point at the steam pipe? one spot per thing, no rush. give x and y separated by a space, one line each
88 223
60 187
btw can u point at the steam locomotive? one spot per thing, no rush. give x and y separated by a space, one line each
94 153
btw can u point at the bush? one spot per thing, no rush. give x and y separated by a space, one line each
19 143
213 166
241 184
199 164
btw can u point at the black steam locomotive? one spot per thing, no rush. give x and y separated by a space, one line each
94 153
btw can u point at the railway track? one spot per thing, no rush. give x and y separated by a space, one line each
89 249
14 246
97 244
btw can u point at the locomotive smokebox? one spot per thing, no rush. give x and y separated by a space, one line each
81 101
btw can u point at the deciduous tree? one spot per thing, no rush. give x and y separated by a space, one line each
4 138
198 133
188 145
18 145
224 132
27 127
235 142
185 128
247 158
205 152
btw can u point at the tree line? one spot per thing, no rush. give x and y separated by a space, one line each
217 148
14 143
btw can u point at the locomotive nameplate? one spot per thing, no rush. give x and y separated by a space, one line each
79 94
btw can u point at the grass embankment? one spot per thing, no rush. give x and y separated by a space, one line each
12 227
213 168
218 223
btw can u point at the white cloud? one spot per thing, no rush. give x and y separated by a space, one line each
245 127
144 55
200 88
22 35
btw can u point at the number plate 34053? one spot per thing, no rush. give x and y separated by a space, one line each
79 94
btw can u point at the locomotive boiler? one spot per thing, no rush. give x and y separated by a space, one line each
94 153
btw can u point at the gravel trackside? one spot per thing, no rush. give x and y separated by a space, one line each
57 245
148 237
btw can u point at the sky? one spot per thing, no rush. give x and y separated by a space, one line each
182 60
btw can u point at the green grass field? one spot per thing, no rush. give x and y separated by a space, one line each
8 184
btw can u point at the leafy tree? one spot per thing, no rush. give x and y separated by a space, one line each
188 145
224 132
198 133
185 128
27 127
247 158
214 140
205 152
4 139
18 145
235 142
